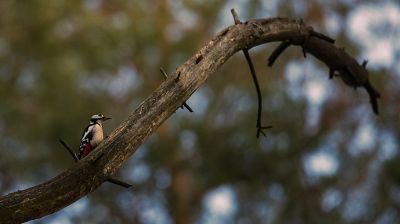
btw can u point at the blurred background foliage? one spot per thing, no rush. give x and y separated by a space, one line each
328 159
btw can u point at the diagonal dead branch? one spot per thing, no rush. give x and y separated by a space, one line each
83 178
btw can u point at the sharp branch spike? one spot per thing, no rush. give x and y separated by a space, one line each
364 64
278 51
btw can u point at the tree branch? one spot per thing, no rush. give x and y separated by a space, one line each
322 47
184 105
260 128
85 176
76 159
73 155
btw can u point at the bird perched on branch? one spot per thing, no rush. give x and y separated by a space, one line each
92 135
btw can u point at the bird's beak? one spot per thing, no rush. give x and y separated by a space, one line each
106 118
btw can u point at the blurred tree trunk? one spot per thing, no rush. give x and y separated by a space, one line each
181 196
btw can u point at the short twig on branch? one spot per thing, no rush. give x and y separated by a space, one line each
260 128
178 76
278 51
111 180
73 155
184 104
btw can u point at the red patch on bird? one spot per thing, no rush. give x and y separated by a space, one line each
86 149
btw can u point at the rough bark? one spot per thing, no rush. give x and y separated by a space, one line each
88 174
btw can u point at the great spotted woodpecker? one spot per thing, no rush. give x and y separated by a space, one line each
92 135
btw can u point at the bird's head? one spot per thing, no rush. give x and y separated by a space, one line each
98 118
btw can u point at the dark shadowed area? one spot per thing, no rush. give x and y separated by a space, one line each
327 159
